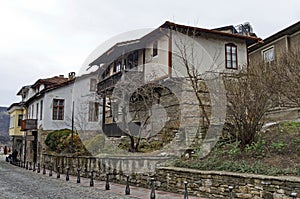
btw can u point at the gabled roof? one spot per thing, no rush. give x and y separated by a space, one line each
287 31
197 30
16 105
61 82
126 46
49 82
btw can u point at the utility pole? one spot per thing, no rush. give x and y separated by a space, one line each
72 136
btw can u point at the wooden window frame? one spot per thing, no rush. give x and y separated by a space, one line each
58 108
41 110
265 51
93 112
93 84
230 66
155 51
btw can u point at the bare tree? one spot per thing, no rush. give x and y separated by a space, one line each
136 103
249 95
286 70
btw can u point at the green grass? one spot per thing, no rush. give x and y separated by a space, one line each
276 152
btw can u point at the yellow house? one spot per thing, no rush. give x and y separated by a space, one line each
16 113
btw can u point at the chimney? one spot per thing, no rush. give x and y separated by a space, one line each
71 75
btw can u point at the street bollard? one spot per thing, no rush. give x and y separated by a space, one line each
50 168
57 173
30 165
127 189
152 194
92 179
33 169
26 165
107 187
294 195
44 169
67 174
78 175
186 194
230 191
38 168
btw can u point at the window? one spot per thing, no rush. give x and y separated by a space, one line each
268 54
12 122
132 59
58 109
155 49
231 56
41 111
32 110
93 84
28 112
20 118
37 111
118 67
93 111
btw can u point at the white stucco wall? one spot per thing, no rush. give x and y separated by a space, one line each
157 67
205 53
80 93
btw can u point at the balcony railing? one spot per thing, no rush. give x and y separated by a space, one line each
29 124
109 82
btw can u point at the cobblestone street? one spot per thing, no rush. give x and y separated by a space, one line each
16 182
19 183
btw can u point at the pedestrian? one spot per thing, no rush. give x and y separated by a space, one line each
14 155
5 150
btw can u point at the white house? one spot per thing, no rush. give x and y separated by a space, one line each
49 106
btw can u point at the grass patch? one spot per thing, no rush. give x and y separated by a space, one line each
275 153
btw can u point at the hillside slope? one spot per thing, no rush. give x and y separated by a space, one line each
4 125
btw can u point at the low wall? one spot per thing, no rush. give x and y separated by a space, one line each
213 184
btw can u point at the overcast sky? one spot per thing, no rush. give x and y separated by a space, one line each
44 38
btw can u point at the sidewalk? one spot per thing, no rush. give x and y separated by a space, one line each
135 192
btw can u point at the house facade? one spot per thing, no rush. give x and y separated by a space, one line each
160 56
269 51
16 113
274 46
48 105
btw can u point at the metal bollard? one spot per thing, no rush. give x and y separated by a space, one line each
78 175
230 191
33 169
152 194
92 179
294 195
26 165
107 187
57 173
30 165
67 174
44 169
127 189
38 168
186 194
50 168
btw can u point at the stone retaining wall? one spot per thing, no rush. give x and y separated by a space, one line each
213 184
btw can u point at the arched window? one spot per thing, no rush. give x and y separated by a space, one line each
231 56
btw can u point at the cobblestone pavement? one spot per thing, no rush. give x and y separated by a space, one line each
19 183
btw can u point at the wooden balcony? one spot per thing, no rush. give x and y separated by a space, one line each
108 83
29 124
